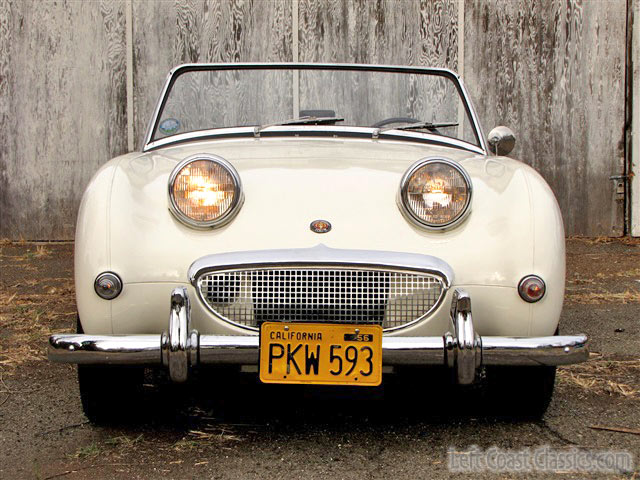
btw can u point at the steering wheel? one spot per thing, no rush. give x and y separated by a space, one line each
390 120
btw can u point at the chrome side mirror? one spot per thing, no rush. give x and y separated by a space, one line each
501 140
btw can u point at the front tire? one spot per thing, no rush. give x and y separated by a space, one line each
110 394
520 392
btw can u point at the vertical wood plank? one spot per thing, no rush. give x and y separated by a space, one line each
170 33
6 41
62 109
461 111
554 73
635 135
397 32
129 69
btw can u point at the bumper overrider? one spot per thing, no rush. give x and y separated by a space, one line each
181 348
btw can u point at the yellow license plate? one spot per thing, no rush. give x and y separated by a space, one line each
322 354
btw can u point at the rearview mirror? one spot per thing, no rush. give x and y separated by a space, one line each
501 140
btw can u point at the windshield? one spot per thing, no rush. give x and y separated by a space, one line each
208 97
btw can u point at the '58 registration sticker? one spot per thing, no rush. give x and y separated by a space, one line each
318 353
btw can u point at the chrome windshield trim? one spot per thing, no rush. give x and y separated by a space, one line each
321 255
474 116
312 131
445 72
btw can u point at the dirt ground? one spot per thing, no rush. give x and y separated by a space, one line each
220 428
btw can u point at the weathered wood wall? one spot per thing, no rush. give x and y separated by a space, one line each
166 34
396 32
62 109
553 71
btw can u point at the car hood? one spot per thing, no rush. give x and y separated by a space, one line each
290 182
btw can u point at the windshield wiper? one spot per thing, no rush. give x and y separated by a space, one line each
416 126
299 121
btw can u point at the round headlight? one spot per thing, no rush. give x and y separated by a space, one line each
435 192
204 191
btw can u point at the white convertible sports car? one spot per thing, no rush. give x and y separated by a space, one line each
318 224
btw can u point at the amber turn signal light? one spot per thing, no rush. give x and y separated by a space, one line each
531 288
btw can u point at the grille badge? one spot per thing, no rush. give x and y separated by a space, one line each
320 226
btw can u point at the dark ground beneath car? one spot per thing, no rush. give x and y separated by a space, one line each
219 429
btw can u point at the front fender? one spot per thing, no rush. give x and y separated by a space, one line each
514 228
92 253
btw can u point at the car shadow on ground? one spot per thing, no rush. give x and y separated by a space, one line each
218 397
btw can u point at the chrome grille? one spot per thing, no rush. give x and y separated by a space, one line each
318 294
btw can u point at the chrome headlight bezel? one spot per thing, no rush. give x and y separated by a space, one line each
233 209
408 212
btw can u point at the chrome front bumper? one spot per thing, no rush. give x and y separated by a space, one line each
181 348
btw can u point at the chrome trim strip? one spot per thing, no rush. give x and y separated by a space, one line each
105 349
228 349
313 131
175 72
321 255
413 351
474 116
191 349
243 350
535 351
156 111
403 200
236 203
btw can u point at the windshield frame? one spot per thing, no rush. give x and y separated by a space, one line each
314 130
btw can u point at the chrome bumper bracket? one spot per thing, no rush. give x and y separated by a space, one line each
463 346
180 345
181 348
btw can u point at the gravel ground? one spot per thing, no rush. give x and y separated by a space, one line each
247 430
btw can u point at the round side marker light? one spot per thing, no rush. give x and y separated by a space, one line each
108 285
531 288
